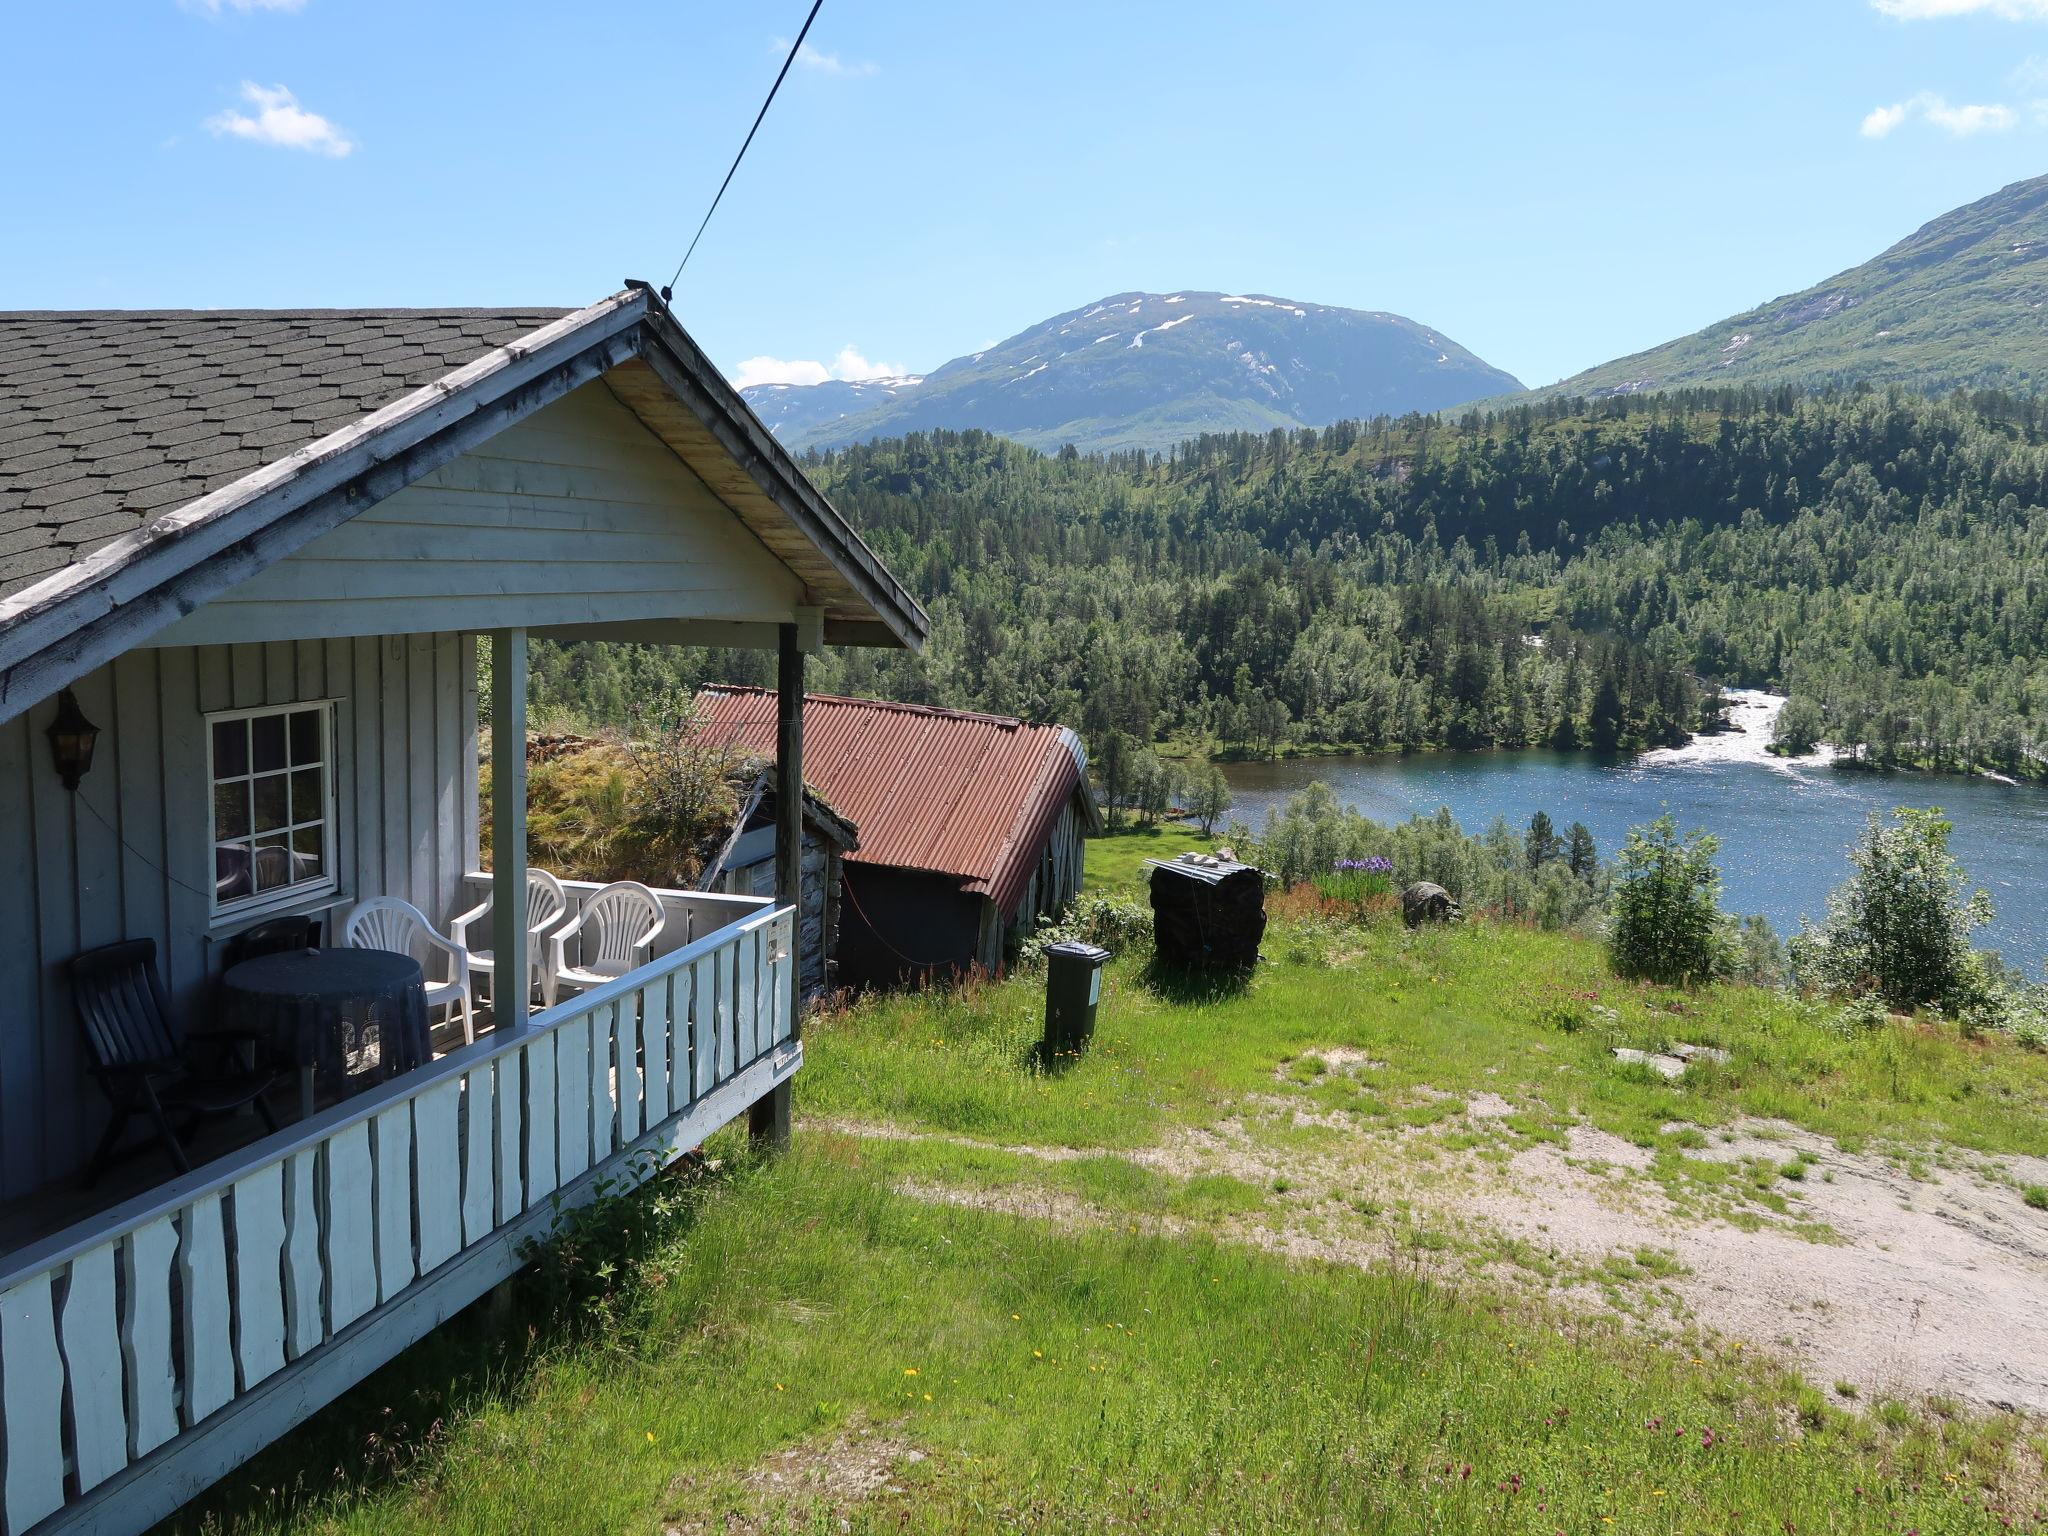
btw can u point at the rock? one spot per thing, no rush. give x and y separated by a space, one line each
1423 903
1665 1066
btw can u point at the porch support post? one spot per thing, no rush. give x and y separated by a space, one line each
768 1121
508 829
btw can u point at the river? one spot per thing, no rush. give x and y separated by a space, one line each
1785 826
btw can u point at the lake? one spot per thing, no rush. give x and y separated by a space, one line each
1785 827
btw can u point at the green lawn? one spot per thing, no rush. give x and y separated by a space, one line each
1117 862
995 1318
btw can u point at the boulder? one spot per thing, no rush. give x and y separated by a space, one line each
1424 902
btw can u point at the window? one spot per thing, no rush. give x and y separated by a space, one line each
273 805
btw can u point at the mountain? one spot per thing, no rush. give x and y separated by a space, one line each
1147 370
1957 304
798 412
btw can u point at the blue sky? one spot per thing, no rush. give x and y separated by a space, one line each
1550 183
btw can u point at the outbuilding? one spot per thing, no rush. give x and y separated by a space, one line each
972 826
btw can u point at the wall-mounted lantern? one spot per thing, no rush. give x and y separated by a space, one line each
72 738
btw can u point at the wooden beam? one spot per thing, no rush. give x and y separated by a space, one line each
789 770
508 829
768 1121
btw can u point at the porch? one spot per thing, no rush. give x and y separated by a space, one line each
146 1349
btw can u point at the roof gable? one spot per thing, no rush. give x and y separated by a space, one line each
967 795
118 584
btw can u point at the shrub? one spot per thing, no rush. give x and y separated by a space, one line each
1899 927
1665 924
1115 923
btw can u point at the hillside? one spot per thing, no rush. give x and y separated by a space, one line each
1957 304
1147 370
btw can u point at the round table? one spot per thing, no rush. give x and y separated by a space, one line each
327 1010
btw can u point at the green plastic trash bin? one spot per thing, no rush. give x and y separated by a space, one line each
1073 986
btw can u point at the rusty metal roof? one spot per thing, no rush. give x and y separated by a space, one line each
941 790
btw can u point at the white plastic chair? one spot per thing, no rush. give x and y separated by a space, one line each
546 905
617 928
389 922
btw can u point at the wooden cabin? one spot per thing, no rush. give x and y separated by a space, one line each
246 559
972 826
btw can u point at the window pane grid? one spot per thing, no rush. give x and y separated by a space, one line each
271 804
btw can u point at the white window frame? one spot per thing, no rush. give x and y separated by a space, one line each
285 896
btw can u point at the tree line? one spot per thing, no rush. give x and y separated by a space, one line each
1560 575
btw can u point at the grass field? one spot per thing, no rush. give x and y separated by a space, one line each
977 1296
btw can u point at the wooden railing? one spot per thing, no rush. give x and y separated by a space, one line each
148 1350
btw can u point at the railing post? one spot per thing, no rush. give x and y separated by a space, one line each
508 829
768 1121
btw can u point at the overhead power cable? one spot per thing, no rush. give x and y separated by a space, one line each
794 48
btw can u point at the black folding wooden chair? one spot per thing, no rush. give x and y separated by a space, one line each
139 1054
277 936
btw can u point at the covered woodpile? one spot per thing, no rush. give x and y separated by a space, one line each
1208 913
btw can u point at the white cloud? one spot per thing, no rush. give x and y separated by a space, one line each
823 63
280 120
217 7
1960 120
1935 10
849 364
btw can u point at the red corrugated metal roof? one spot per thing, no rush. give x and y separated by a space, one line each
960 794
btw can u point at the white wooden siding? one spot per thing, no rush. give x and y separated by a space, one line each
131 857
576 515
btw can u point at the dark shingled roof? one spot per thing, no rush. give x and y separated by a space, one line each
111 418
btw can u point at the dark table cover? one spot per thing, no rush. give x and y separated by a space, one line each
355 1016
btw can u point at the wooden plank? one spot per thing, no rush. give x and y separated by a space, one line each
785 979
395 811
258 1269
204 1309
245 669
31 1405
422 797
349 1233
366 751
540 1118
605 1079
391 1151
654 1046
187 837
435 1117
466 768
146 1259
479 1156
704 1023
628 1036
509 1116
449 770
753 583
91 1338
572 1097
53 1041
309 670
305 1314
138 745
21 1089
747 1021
280 673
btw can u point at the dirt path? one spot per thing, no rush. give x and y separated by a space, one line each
1930 1286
